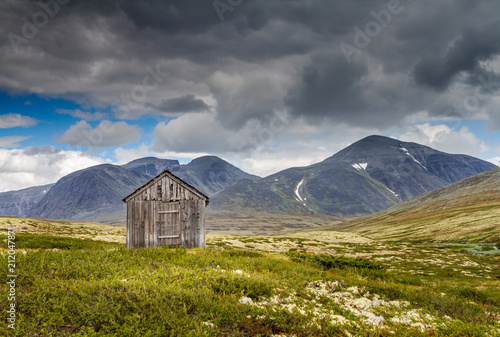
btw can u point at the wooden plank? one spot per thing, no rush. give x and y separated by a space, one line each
135 224
196 226
128 243
168 237
176 219
165 221
138 220
189 223
156 219
145 216
185 225
168 212
201 225
142 216
151 204
164 187
149 224
182 220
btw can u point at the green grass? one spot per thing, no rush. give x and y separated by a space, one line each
330 262
34 241
89 288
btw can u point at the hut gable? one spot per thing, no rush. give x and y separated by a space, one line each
166 211
166 186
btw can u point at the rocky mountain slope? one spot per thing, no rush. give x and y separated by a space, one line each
18 203
96 193
466 210
372 174
210 174
151 166
101 186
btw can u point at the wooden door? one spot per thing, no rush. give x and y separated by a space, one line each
168 224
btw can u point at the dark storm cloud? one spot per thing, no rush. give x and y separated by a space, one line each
263 55
328 86
474 45
186 103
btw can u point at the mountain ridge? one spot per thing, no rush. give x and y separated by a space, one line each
19 202
96 193
465 210
370 175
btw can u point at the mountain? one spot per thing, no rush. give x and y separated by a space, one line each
210 174
151 166
94 188
409 169
96 193
372 174
466 210
18 203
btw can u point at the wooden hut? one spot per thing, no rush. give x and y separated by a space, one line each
166 211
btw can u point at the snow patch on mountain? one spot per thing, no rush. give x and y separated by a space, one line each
360 166
395 194
297 191
299 198
405 151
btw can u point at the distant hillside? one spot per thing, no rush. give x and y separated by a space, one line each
468 209
97 187
151 166
372 174
96 193
210 174
18 203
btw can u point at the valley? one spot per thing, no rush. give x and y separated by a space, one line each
346 247
371 175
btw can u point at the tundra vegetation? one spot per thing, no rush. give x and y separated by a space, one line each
78 279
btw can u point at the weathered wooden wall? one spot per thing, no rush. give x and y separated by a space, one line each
193 223
164 212
165 189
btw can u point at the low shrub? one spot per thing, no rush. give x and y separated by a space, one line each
35 241
329 261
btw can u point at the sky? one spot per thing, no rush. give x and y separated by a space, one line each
263 84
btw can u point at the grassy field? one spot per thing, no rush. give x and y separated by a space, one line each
448 225
78 280
261 223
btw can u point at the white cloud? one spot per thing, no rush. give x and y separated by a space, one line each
124 156
446 139
77 113
34 166
267 162
258 148
11 141
12 120
106 134
201 132
495 160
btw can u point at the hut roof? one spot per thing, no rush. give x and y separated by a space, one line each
171 176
